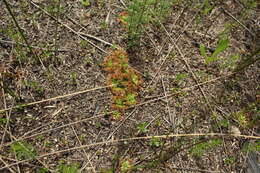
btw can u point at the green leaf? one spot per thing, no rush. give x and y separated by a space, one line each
222 46
180 77
43 170
224 123
211 59
207 7
72 168
203 50
86 3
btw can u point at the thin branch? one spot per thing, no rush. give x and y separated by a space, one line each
53 129
133 139
56 98
140 104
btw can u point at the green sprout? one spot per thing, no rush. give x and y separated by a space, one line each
199 149
116 115
155 142
131 99
120 103
71 168
142 127
126 166
23 150
221 47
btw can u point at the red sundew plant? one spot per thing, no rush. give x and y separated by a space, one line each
126 82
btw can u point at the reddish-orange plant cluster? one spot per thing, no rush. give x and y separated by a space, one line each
123 18
124 80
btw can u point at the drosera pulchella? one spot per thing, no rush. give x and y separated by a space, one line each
124 80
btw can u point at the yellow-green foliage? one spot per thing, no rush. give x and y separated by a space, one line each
248 116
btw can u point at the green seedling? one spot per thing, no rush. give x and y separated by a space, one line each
221 47
179 78
47 144
116 115
229 160
73 77
47 55
135 79
23 150
158 123
254 111
114 46
85 3
12 93
142 127
224 123
207 7
83 44
155 142
140 13
199 149
179 92
34 86
42 170
40 137
82 137
119 103
70 168
131 99
126 166
241 118
3 121
109 170
230 62
251 4
251 147
104 25
55 8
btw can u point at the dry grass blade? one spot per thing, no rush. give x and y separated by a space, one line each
98 116
55 98
69 28
134 139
